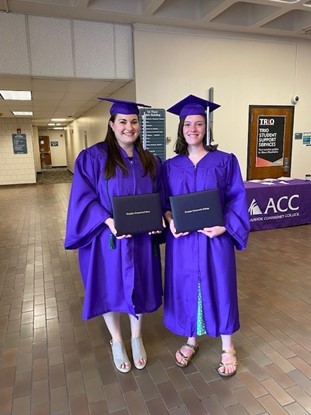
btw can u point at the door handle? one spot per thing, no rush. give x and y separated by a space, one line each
286 165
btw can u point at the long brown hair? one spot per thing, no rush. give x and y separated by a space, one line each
115 159
181 146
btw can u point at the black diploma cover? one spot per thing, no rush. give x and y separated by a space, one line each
197 210
134 214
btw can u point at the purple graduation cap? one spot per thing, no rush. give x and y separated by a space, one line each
120 106
192 105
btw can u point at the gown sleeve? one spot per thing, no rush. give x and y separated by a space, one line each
86 215
235 212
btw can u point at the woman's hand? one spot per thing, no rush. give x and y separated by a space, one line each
213 231
169 217
173 230
110 223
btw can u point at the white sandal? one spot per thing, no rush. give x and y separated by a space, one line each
120 357
139 352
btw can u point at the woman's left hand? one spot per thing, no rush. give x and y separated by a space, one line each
213 231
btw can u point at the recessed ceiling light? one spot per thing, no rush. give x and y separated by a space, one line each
16 95
58 119
58 128
22 112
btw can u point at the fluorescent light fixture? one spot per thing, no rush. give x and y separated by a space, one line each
16 95
51 123
22 112
285 1
58 119
57 128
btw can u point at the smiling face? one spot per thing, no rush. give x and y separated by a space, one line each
194 129
126 129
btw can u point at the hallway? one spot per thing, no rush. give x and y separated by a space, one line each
54 363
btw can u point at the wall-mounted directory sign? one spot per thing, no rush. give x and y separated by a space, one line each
152 122
19 143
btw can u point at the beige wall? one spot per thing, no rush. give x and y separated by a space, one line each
36 150
93 125
76 49
302 88
243 70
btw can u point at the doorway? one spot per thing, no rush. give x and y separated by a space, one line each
45 152
270 133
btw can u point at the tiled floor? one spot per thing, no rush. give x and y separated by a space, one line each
54 175
52 362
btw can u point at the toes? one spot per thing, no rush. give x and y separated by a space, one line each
228 365
141 362
180 359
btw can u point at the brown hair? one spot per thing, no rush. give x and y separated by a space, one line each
181 146
115 159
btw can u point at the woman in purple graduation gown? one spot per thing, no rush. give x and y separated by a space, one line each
200 295
120 274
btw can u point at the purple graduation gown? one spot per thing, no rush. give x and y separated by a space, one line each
124 279
196 258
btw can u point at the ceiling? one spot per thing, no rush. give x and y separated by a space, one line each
71 98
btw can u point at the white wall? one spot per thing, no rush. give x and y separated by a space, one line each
16 168
244 70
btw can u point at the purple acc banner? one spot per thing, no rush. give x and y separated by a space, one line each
278 203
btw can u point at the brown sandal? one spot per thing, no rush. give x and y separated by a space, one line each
187 358
224 365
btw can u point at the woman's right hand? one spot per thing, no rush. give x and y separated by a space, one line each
173 230
169 218
110 223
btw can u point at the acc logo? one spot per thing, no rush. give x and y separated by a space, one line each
254 209
283 204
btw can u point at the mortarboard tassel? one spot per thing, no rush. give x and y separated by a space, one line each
112 241
208 138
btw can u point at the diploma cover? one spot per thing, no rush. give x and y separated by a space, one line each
197 210
134 214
